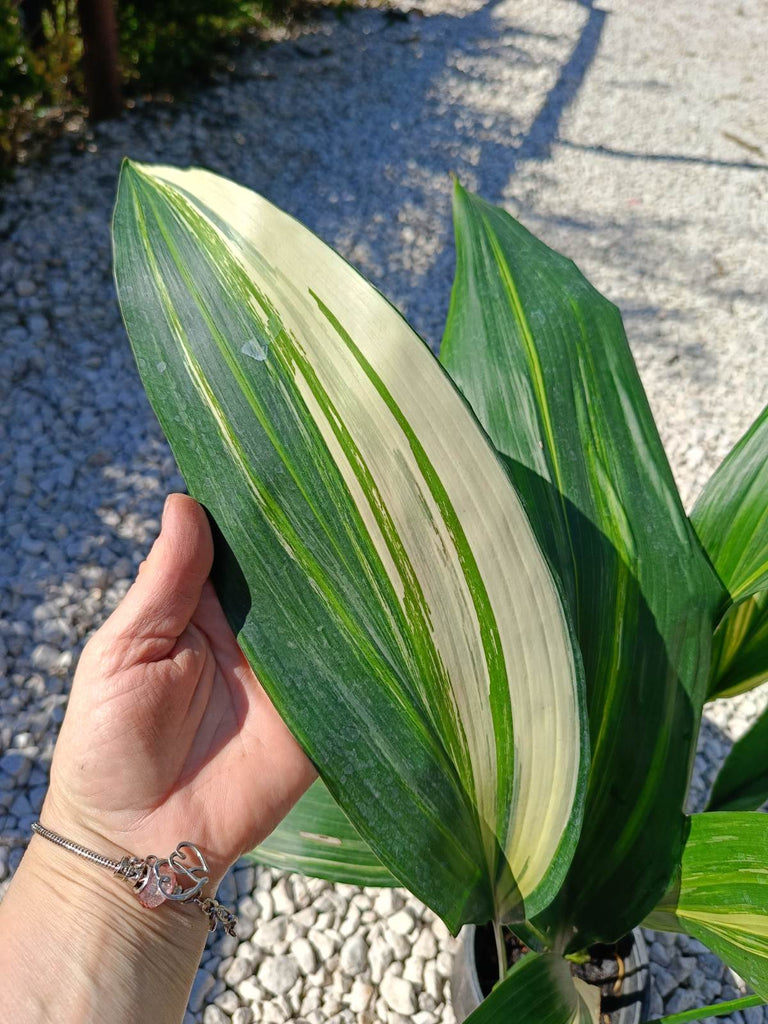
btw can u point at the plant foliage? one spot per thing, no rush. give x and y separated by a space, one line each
487 619
394 590
164 45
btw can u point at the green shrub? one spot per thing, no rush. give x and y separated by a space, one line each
163 45
20 79
36 84
167 44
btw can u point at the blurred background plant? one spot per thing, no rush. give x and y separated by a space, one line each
162 46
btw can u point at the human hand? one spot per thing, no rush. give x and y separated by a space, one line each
168 735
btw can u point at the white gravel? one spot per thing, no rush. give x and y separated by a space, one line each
634 138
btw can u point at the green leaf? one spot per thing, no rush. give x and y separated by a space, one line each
393 599
712 1010
721 895
539 989
543 359
318 839
740 648
742 784
731 519
731 514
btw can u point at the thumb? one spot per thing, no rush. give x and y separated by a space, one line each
167 590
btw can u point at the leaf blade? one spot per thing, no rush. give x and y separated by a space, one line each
539 989
731 514
373 595
317 839
740 648
742 783
721 896
543 360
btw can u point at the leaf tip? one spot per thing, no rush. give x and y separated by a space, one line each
129 168
459 192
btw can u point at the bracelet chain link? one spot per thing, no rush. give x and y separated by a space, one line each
155 880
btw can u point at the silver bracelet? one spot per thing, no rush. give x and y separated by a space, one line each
155 880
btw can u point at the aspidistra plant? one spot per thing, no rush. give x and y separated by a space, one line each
471 589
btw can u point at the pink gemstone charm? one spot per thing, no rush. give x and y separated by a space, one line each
151 895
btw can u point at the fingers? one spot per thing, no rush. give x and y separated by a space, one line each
161 602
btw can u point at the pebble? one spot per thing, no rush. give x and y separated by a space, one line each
241 969
666 982
360 995
659 953
304 954
243 1015
398 943
444 963
433 983
282 897
278 974
426 944
380 956
227 1001
268 934
413 970
323 943
388 902
201 986
683 999
250 991
401 923
215 1015
353 957
398 993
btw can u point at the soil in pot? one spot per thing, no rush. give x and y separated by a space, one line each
605 969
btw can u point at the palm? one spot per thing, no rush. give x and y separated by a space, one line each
169 736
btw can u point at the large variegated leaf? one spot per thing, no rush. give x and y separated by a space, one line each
316 838
721 894
544 362
731 514
396 604
740 648
539 989
742 784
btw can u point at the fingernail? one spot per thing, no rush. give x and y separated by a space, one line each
165 509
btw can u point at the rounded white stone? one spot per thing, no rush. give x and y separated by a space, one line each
278 974
353 958
398 994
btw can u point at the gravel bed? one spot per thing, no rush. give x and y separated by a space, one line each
633 139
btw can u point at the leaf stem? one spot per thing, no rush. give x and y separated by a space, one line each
715 1010
501 949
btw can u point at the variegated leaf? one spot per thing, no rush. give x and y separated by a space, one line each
731 519
543 359
721 894
731 515
316 838
395 603
740 648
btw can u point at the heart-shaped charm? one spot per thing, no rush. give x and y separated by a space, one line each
186 861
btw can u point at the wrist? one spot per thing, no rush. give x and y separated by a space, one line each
92 898
76 938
